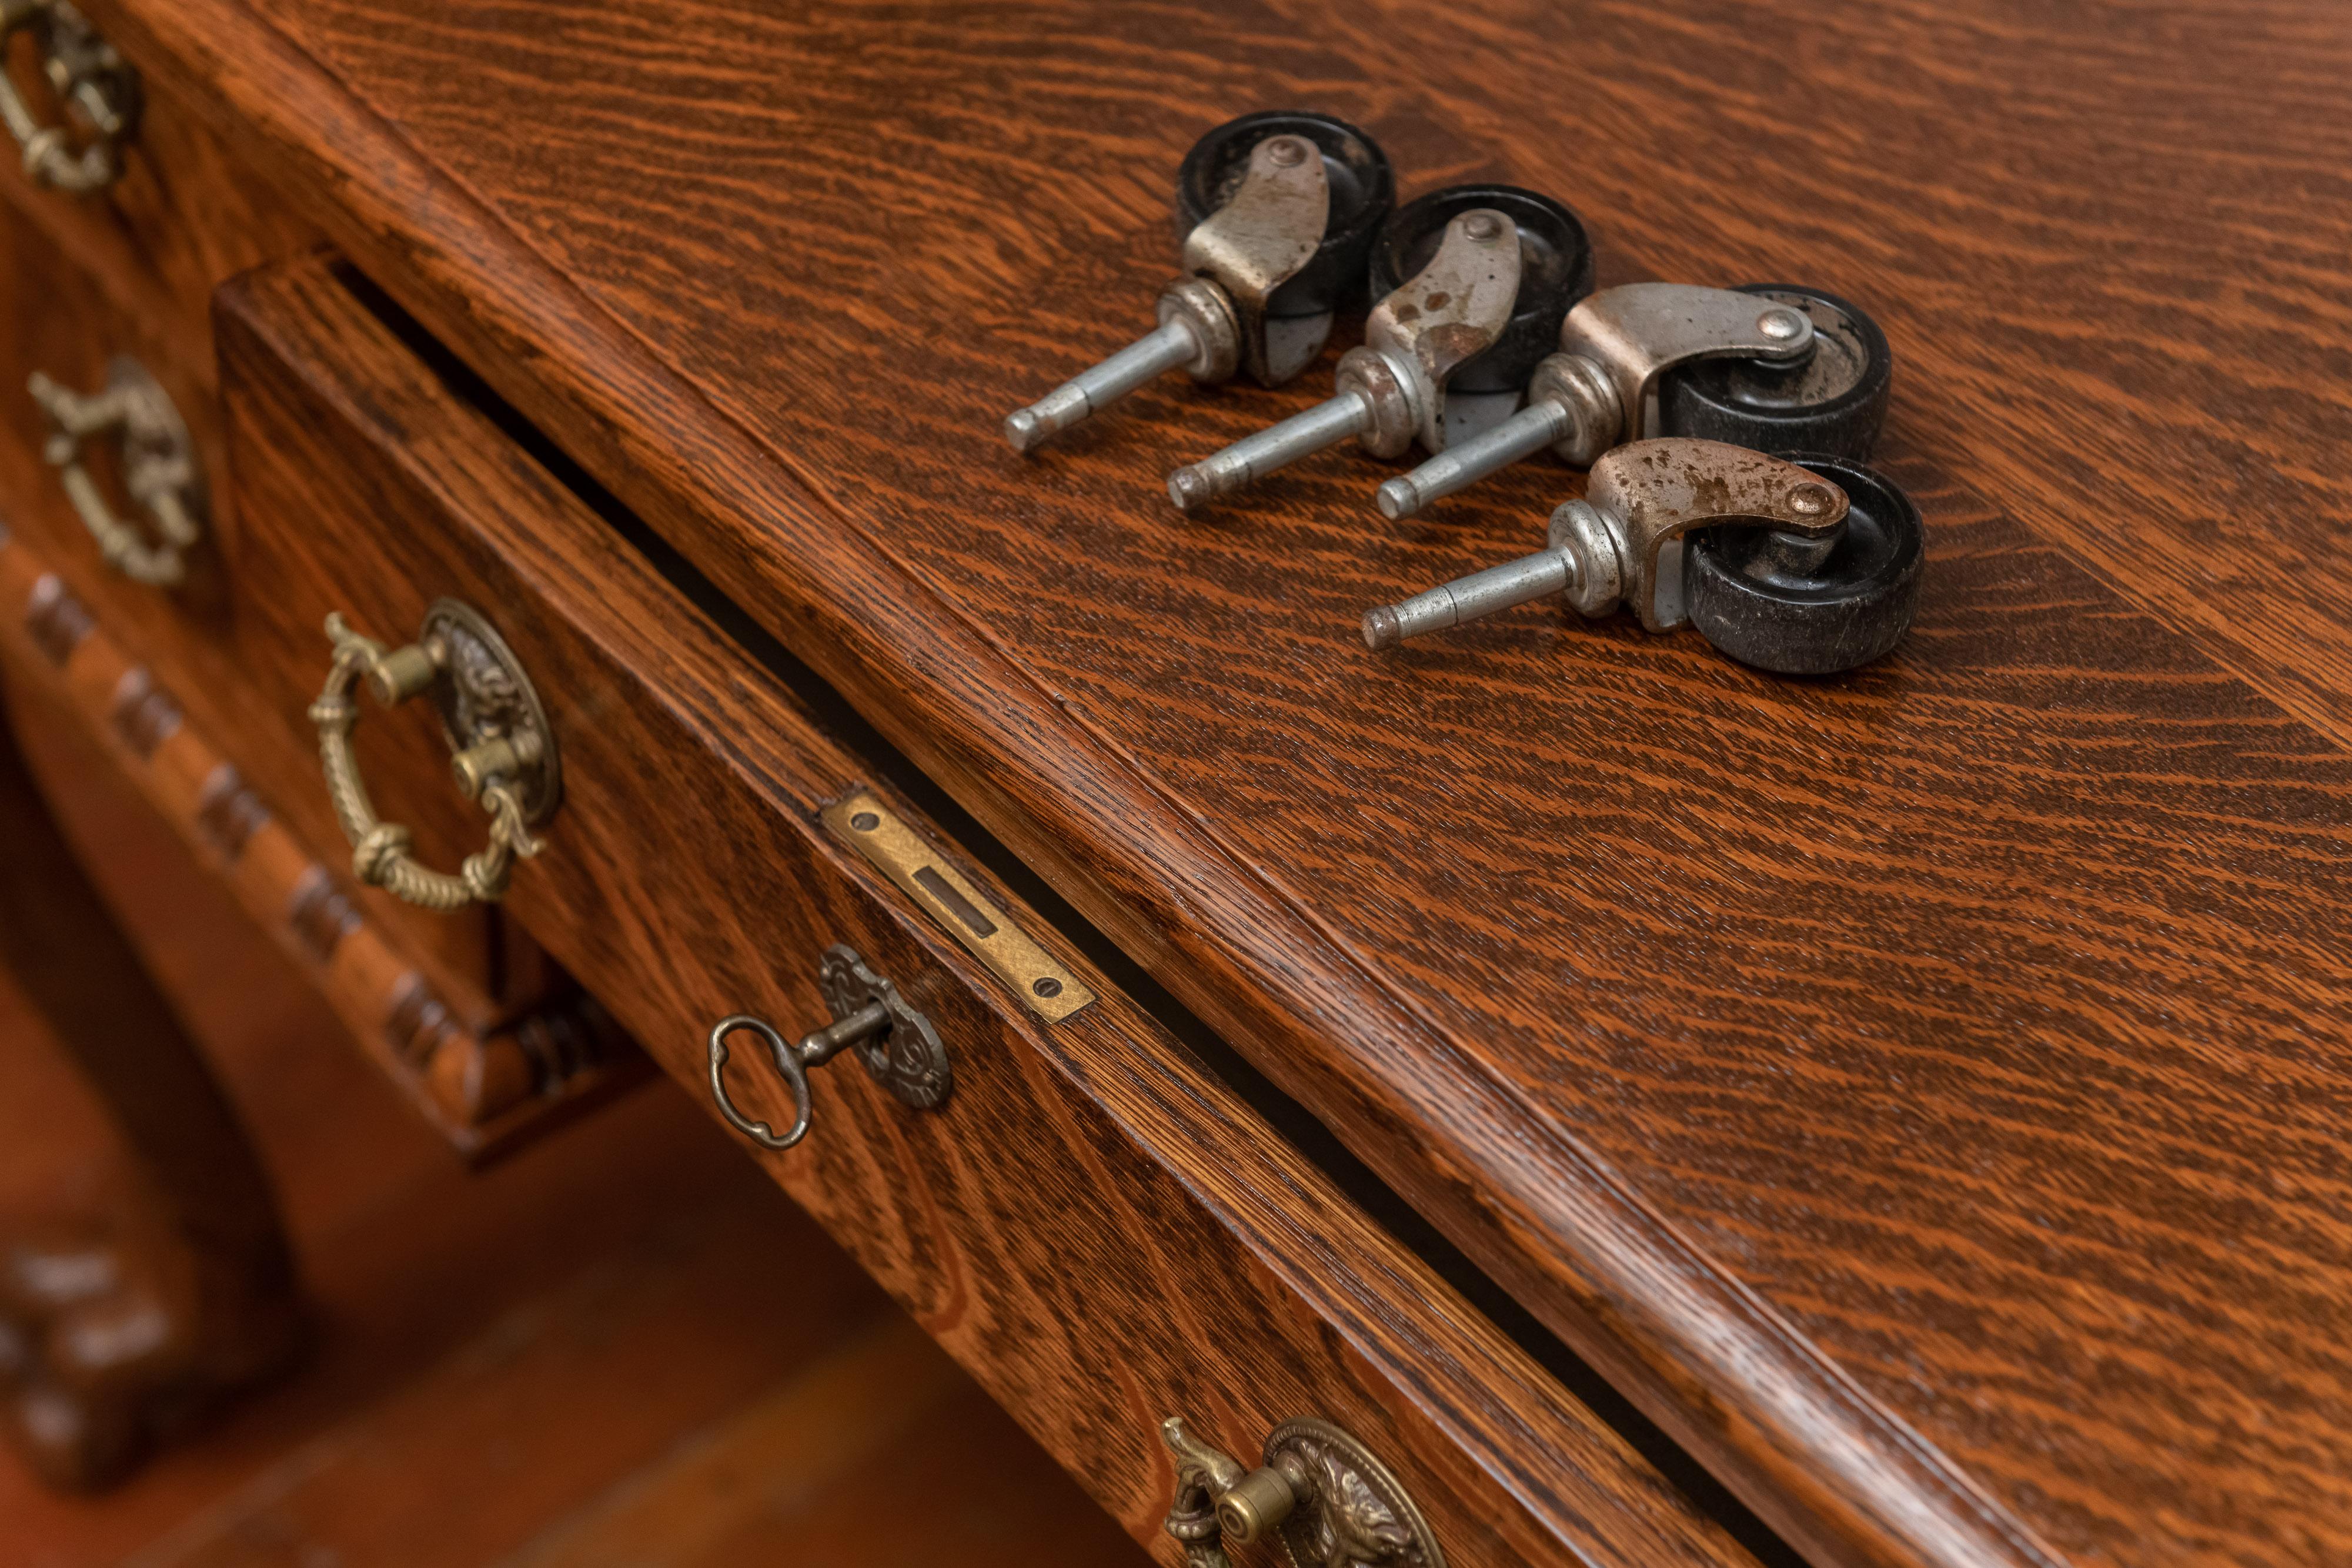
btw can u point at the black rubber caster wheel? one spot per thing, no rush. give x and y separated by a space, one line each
1777 603
1363 190
1833 403
1555 272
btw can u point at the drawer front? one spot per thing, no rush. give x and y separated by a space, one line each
182 216
1101 1232
486 1092
58 318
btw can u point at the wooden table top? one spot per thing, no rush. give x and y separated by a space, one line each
1925 1090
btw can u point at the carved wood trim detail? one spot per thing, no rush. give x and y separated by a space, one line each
320 914
144 714
228 812
485 1093
58 621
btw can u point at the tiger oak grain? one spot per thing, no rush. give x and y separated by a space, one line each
1101 1232
1923 1091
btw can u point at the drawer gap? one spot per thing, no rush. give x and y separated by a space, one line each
828 711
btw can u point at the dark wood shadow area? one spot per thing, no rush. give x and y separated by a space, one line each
620 1343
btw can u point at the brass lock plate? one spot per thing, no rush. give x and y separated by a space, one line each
484 696
861 820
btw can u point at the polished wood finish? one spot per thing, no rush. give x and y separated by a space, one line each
486 1090
1208 1270
186 215
1882 1078
882 1453
109 1343
573 1350
67 312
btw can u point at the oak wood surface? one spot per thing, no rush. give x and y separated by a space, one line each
1924 1089
462 1407
1098 1230
1850 1108
487 1091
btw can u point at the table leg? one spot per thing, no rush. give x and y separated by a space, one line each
108 1345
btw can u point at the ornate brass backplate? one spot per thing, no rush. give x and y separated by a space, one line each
1324 1495
486 696
502 749
905 1056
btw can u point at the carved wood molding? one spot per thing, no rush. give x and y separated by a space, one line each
487 1091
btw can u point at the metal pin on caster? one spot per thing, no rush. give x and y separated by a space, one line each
1773 366
1804 566
1277 211
1483 275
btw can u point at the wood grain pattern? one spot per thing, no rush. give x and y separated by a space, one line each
1100 1232
463 1396
61 316
1924 1090
487 1092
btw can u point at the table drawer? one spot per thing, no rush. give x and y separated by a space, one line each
60 319
1104 1233
487 1091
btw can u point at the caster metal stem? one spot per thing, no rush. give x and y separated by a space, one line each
1252 457
1524 434
1153 355
1480 594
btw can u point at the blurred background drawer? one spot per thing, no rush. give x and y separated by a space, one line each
180 216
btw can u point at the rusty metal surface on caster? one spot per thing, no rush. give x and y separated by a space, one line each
1807 565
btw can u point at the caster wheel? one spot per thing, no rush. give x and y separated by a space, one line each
1832 402
1363 190
1781 603
1556 271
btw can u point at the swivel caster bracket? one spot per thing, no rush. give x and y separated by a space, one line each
1500 267
1803 566
1277 211
1773 367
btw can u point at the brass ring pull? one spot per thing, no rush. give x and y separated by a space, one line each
88 77
156 459
897 1044
503 751
1319 1492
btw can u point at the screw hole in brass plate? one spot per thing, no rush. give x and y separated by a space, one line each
1046 988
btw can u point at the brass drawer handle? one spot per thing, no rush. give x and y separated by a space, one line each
897 1044
97 89
153 455
503 749
1320 1491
